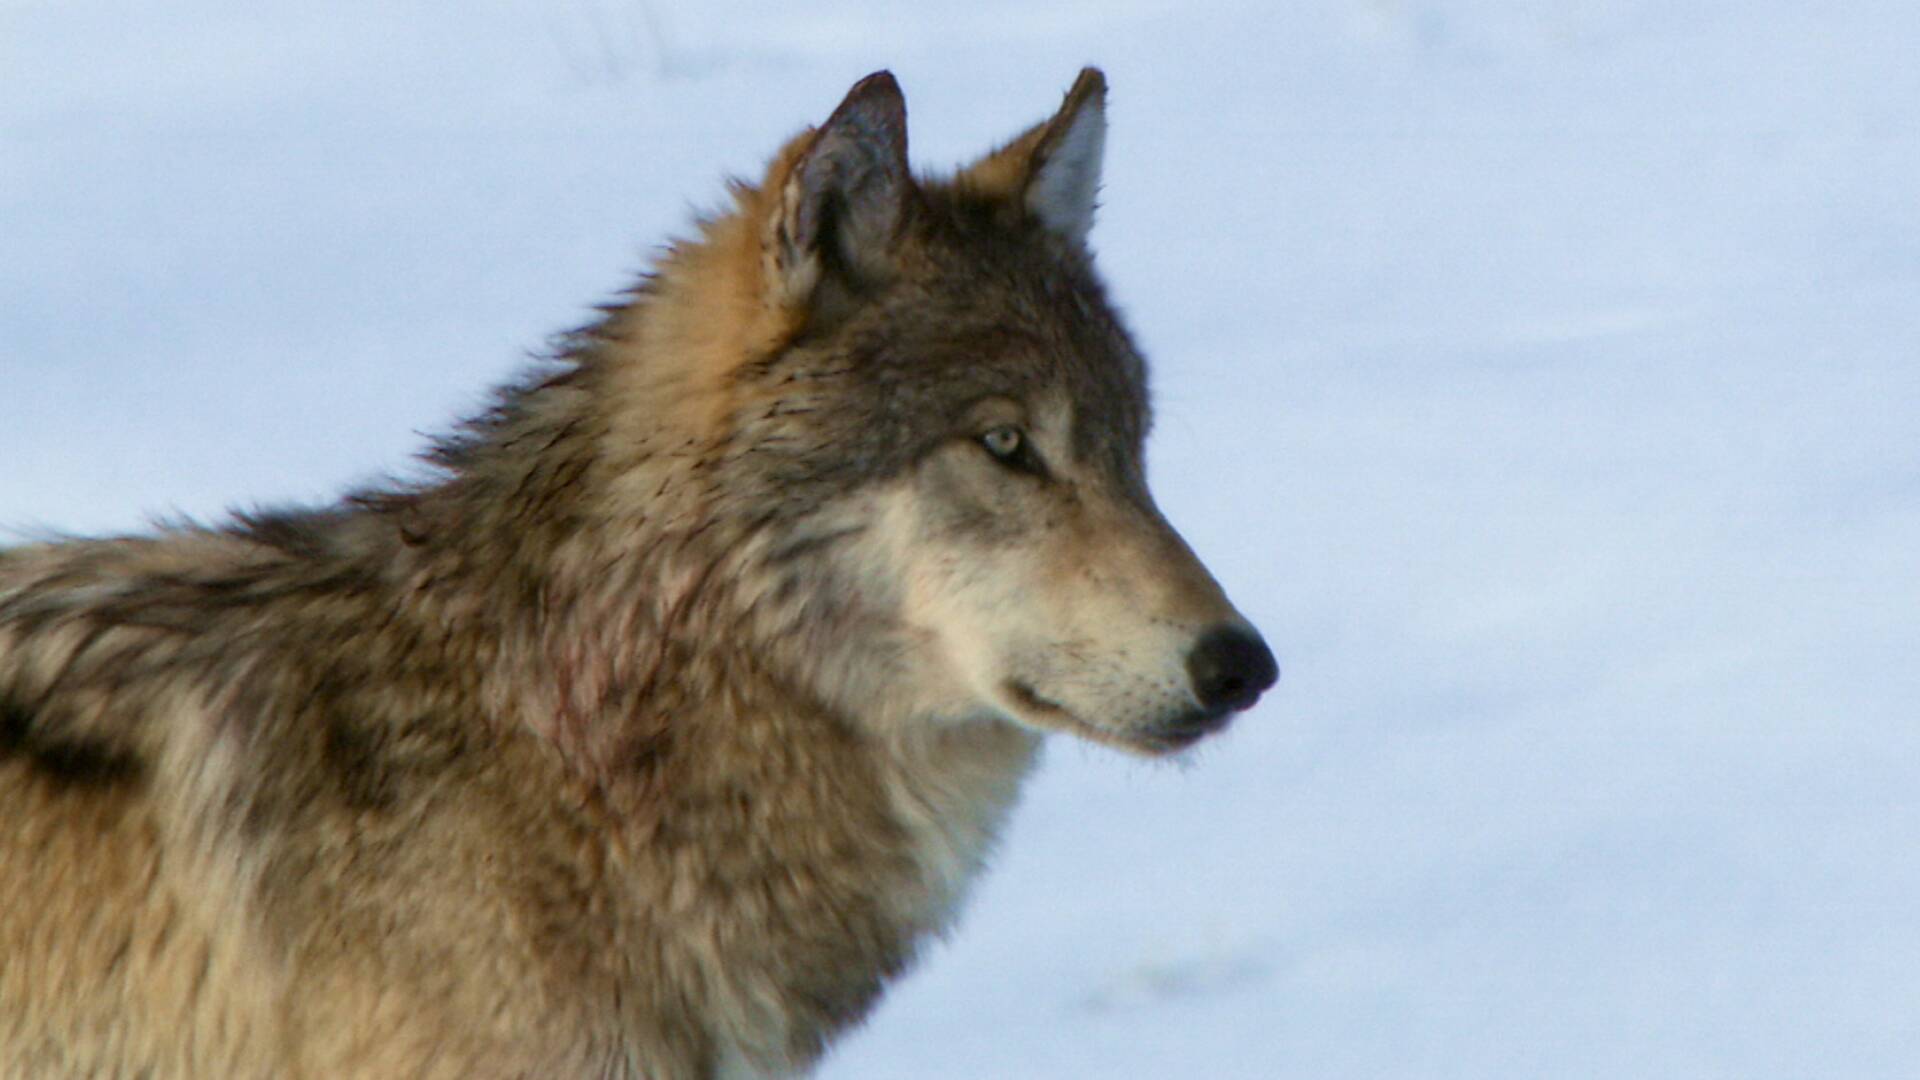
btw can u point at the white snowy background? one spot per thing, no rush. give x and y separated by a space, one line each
1543 378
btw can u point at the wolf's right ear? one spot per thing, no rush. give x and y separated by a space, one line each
845 195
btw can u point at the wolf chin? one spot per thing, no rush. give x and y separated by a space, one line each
654 734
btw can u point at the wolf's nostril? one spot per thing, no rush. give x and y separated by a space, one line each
1230 668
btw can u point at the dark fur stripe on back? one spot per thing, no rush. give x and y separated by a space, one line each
63 761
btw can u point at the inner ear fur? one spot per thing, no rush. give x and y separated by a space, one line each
844 191
1051 173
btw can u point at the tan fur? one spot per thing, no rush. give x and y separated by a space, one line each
657 734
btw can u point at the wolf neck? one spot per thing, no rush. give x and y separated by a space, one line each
684 704
774 843
631 619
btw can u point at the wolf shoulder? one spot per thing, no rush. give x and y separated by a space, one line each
229 770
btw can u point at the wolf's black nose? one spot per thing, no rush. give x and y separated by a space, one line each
1230 668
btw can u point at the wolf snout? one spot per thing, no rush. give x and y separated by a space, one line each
1230 668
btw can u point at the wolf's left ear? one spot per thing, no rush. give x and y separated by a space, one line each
845 195
1053 170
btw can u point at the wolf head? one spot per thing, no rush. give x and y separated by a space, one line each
908 414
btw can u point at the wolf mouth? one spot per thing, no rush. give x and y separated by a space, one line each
1030 698
1162 739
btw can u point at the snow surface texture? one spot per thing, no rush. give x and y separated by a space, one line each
1540 377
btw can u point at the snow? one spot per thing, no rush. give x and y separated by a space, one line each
1541 378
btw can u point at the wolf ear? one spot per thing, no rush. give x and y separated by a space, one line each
847 192
1054 169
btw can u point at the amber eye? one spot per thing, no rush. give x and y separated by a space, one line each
1003 442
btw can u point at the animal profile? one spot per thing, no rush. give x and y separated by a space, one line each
656 730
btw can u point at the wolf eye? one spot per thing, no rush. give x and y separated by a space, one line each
1004 442
1009 446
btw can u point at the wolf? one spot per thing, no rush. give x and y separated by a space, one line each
658 726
